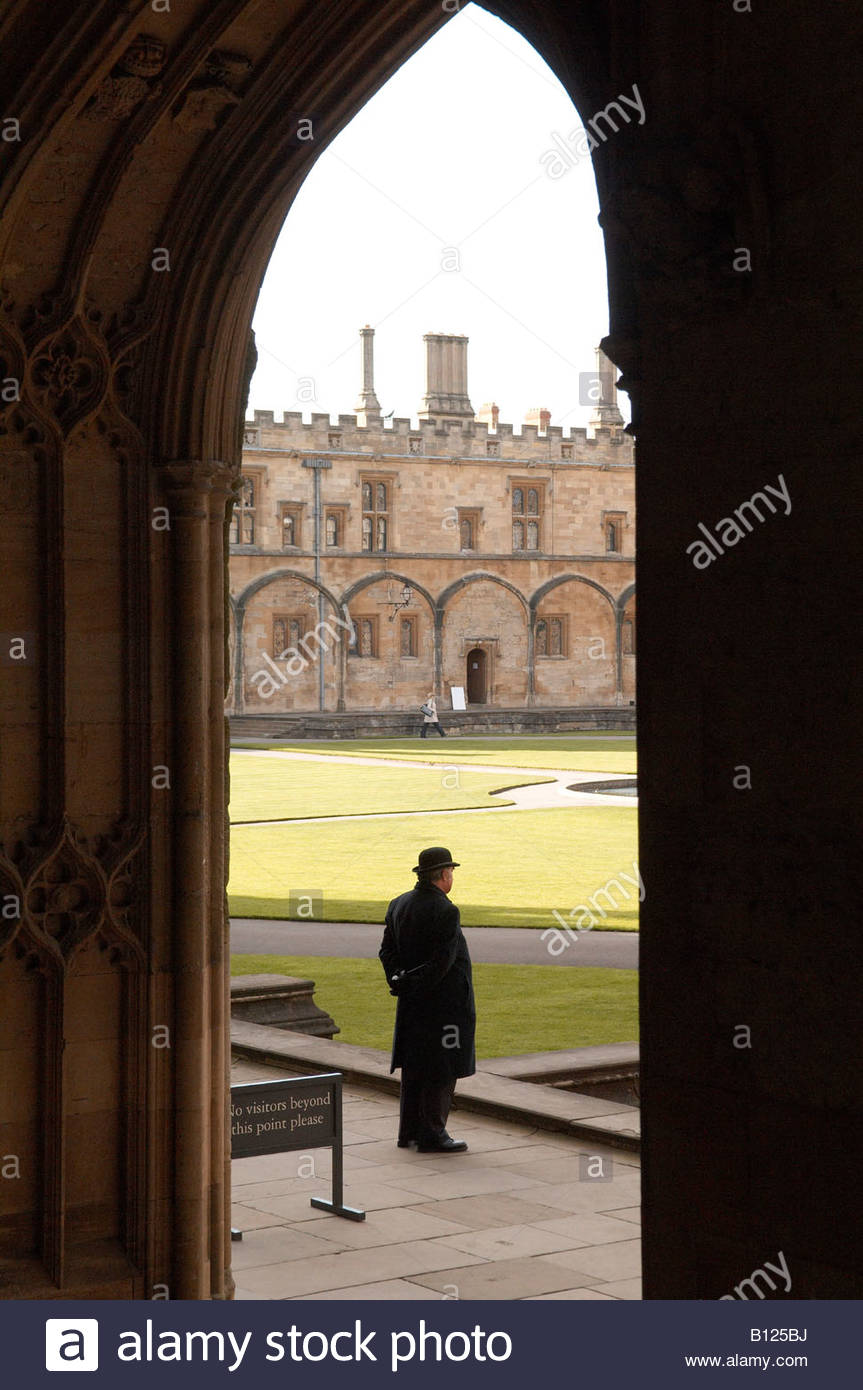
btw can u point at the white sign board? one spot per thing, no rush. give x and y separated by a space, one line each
456 693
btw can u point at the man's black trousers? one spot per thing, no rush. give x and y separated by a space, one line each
424 1108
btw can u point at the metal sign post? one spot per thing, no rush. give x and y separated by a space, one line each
297 1112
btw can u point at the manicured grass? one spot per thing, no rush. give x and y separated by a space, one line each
282 789
520 1008
585 752
516 865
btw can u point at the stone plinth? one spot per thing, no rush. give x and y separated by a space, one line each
280 1001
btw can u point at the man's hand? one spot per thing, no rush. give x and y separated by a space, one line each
406 983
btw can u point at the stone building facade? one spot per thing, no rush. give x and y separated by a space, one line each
375 561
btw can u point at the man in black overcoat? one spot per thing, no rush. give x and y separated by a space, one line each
427 965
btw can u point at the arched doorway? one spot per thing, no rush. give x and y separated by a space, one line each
477 676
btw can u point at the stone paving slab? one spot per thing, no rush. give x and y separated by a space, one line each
570 1294
620 1260
321 1272
510 1242
492 1223
590 1228
395 1290
480 1213
513 1279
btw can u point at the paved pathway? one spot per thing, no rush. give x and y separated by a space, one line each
499 945
523 1215
553 792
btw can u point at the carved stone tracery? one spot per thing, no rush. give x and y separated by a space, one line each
208 95
129 82
69 374
70 891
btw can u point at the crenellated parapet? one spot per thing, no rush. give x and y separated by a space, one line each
446 426
402 437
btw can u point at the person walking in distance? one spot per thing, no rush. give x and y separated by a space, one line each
431 723
428 968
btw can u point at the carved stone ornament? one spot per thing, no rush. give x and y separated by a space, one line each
129 82
194 477
68 375
64 891
207 96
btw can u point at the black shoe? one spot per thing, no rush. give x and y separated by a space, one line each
443 1146
407 1143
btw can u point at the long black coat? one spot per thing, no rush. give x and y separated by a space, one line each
436 1021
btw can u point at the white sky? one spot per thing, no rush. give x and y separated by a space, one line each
446 155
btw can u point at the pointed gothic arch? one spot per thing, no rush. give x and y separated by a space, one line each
126 304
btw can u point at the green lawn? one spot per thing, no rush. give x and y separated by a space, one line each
516 865
280 789
520 1008
584 752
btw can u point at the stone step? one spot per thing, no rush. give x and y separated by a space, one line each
280 1001
486 1093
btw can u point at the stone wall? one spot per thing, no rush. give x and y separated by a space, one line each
486 595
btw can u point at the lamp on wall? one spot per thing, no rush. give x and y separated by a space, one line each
407 595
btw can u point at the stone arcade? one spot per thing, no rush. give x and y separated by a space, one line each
462 553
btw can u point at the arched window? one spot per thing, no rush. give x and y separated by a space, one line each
533 535
556 633
367 497
611 536
381 497
332 529
533 501
541 638
280 636
466 533
367 533
517 501
518 535
289 528
381 542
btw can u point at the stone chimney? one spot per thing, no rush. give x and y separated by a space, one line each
368 407
488 414
446 379
538 415
606 414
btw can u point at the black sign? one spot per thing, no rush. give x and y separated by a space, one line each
269 1117
295 1112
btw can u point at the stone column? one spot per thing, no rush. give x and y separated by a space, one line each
531 658
438 651
196 494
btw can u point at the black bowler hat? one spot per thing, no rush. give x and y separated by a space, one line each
435 858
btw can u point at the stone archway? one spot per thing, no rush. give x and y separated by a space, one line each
149 160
